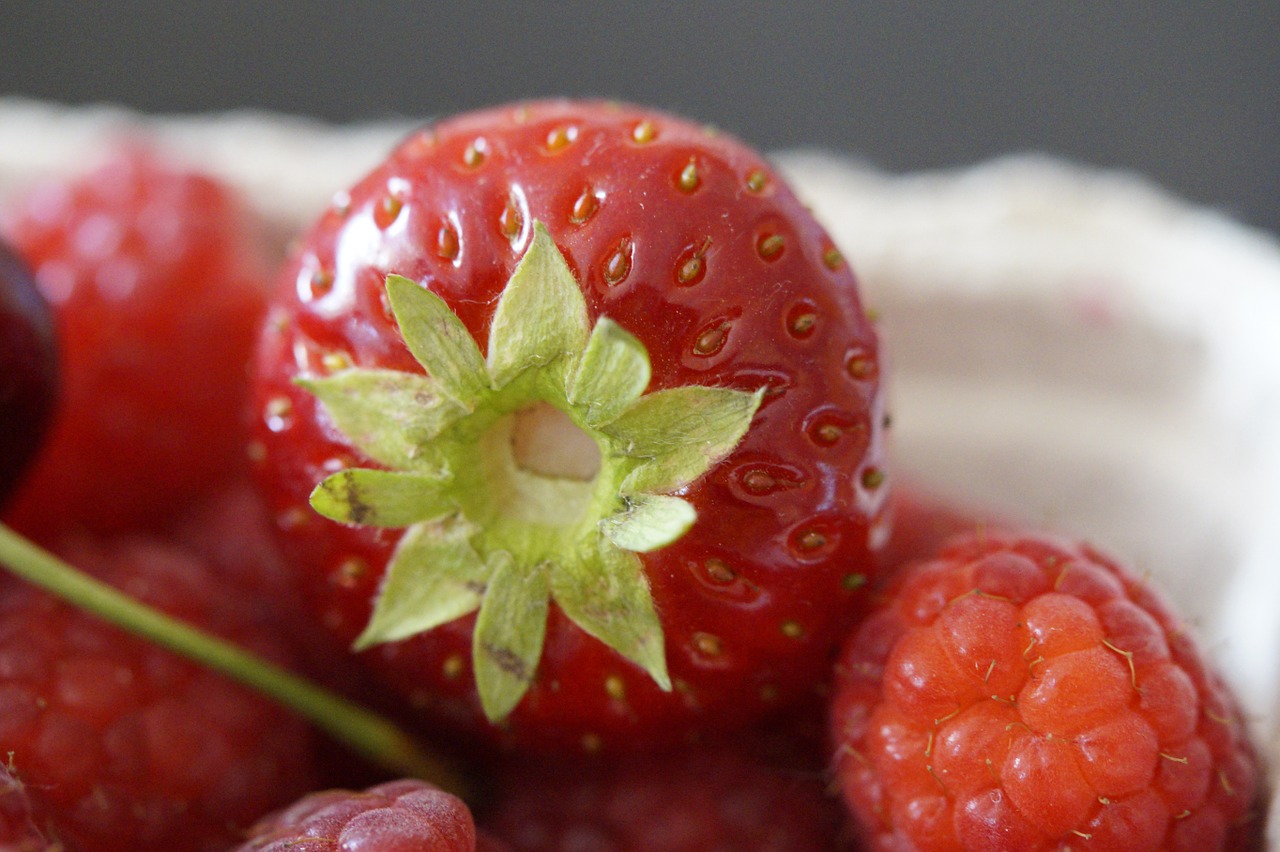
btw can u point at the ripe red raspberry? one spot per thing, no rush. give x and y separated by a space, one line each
232 531
1019 692
122 745
399 816
690 801
156 280
18 831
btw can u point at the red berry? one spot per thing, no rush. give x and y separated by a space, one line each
399 816
1019 692
122 745
28 369
546 264
18 831
690 801
232 532
157 284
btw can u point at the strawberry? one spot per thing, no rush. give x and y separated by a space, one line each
28 368
122 745
1019 692
398 816
157 283
595 405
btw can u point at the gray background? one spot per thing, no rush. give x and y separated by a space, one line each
1188 94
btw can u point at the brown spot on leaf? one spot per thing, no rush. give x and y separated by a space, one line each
349 493
509 661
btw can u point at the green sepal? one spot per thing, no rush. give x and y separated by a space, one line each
381 498
439 340
613 373
649 522
510 630
609 598
541 315
434 577
680 433
390 415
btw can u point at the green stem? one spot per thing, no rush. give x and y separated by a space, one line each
365 732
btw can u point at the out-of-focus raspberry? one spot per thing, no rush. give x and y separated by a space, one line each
122 745
399 816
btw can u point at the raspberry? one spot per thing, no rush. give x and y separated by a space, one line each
156 281
231 529
122 745
18 832
399 816
1020 692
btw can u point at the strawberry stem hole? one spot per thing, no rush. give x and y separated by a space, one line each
546 442
540 467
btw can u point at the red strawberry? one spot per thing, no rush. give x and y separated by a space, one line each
643 566
399 816
124 746
157 284
691 801
27 368
1023 693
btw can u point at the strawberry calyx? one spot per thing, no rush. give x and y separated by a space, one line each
533 473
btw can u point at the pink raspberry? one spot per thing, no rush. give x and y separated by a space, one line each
399 816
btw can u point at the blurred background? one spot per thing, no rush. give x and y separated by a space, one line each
1185 93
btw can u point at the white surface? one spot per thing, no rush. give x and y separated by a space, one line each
1071 348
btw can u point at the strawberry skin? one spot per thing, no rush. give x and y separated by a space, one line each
1023 693
686 241
122 745
157 282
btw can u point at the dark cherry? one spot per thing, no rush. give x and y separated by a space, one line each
28 368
